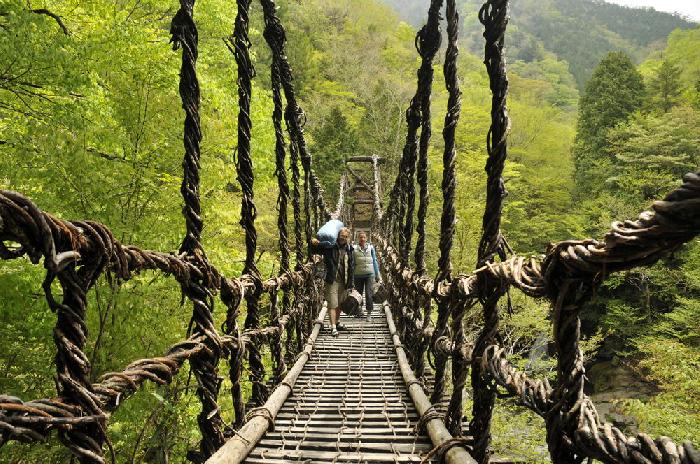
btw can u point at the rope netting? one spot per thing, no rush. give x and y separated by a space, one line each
567 275
77 253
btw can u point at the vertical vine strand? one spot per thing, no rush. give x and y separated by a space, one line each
72 365
447 224
205 367
294 115
429 44
459 361
231 297
244 170
184 34
494 16
296 206
282 198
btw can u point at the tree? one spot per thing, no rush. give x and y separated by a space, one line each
665 87
615 91
652 153
333 142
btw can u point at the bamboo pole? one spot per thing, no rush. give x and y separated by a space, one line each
237 448
436 428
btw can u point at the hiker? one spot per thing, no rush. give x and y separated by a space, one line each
366 269
340 270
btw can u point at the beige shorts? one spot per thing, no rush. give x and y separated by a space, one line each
335 294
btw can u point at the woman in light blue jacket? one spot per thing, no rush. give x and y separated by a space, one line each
366 269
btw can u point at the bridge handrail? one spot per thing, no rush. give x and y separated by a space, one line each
62 244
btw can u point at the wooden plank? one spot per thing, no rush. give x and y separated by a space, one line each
350 413
366 399
345 446
337 457
351 416
353 381
354 391
268 460
348 435
366 429
312 421
364 159
371 403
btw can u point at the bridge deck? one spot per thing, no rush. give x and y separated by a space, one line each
350 403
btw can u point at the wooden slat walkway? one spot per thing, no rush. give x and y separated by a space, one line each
349 404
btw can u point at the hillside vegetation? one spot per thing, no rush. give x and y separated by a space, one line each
579 32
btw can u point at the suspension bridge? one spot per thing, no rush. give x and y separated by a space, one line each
391 389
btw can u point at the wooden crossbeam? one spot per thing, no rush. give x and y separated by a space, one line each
364 159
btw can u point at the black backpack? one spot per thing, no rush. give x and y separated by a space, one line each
352 303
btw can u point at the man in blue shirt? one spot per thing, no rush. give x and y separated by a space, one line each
366 269
338 259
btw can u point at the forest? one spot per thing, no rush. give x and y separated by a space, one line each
605 119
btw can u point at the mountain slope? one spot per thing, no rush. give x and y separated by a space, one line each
578 31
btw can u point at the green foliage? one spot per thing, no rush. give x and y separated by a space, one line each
355 61
651 153
613 93
665 86
633 147
337 141
579 32
675 411
518 433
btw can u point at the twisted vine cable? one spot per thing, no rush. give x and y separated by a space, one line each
244 170
308 233
73 366
494 16
428 45
294 115
296 205
283 196
447 220
459 357
232 299
275 37
184 34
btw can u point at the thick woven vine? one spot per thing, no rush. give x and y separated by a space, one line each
61 244
198 290
461 353
244 169
494 16
418 115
